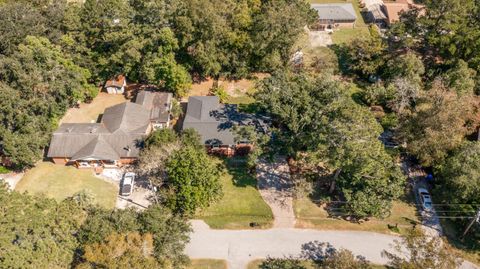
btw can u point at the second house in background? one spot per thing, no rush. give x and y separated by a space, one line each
337 15
116 85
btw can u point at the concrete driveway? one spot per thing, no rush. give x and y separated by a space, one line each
239 247
141 195
275 187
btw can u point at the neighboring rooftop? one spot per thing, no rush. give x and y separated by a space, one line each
335 11
158 103
117 136
396 8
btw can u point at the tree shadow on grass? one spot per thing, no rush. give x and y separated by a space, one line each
470 244
342 56
241 176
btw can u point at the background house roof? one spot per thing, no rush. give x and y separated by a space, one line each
117 82
335 11
376 12
158 103
394 9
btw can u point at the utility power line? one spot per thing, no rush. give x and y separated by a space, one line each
475 219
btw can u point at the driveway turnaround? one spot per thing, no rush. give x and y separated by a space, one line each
239 247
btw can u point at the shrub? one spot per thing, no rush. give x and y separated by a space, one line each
220 92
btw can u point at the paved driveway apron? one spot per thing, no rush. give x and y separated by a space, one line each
275 186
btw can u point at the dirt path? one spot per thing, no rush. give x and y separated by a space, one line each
274 185
12 179
88 113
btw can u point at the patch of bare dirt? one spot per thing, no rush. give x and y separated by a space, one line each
234 88
88 113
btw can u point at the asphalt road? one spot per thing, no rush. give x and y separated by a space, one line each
239 247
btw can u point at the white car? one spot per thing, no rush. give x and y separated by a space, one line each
425 199
126 186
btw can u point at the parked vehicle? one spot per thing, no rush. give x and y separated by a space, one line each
329 30
126 186
425 199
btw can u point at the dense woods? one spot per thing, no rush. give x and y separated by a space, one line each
76 234
424 74
417 84
54 54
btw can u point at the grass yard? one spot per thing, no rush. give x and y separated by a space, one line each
90 112
4 170
309 265
256 264
468 248
239 91
310 215
241 203
60 182
242 97
207 264
346 35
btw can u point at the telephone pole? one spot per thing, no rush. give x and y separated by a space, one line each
475 219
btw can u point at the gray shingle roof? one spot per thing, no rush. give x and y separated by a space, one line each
127 117
212 120
158 103
335 11
96 149
118 135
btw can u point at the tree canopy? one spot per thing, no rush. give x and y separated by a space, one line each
319 118
53 52
38 84
37 230
75 234
179 166
416 250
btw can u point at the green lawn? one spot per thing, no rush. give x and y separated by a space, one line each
60 182
240 205
346 35
4 170
207 264
310 215
243 98
310 265
256 264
